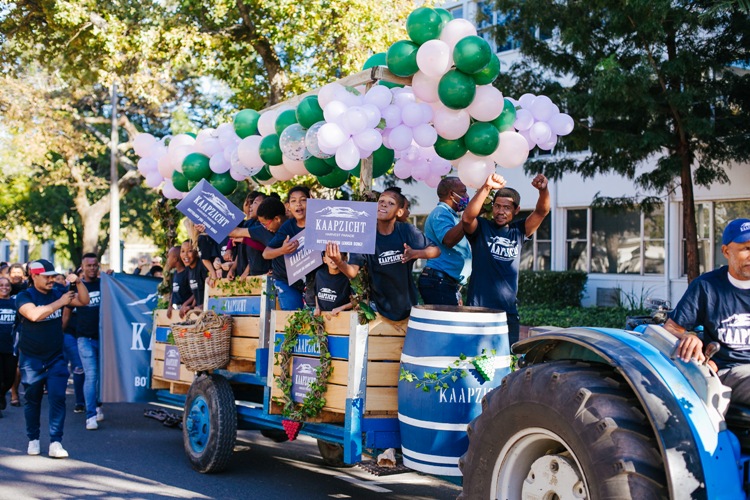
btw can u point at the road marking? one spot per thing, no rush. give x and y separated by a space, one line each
363 484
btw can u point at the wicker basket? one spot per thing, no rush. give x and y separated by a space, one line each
203 340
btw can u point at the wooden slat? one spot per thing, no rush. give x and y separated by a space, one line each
179 388
383 327
383 373
255 286
160 317
325 416
385 348
158 352
185 374
243 347
238 365
339 324
158 383
246 326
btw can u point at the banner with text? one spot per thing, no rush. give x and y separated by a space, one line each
205 205
125 330
305 260
351 224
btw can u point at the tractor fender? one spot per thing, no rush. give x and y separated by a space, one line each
684 402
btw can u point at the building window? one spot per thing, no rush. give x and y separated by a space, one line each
457 11
606 241
711 219
536 254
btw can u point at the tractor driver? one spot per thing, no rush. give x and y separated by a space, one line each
720 301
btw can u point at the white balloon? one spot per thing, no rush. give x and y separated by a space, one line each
561 124
433 180
347 155
207 142
526 100
153 179
524 119
378 95
219 164
165 167
434 58
373 115
296 167
280 172
180 140
328 93
455 30
267 122
334 110
248 151
227 136
530 144
168 190
392 116
543 108
548 145
427 113
425 87
512 150
487 104
178 154
406 96
540 133
143 144
354 120
473 170
368 140
148 165
411 115
330 136
425 135
349 96
402 169
451 124
420 171
400 137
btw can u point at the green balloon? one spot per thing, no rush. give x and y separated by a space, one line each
444 14
456 89
374 60
269 150
450 149
507 117
401 58
191 134
382 161
482 138
309 111
471 54
264 174
246 123
489 73
180 182
223 183
335 179
192 184
195 167
285 118
317 167
424 24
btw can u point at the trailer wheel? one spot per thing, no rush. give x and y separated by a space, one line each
209 423
332 453
562 429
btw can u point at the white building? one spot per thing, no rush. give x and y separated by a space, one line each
629 256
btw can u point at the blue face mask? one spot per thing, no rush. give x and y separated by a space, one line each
462 203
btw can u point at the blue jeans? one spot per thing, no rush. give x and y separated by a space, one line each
35 374
290 299
89 351
438 291
73 362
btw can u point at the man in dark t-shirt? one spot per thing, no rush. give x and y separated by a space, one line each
496 245
719 301
40 347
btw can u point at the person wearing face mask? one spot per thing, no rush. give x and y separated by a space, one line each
441 279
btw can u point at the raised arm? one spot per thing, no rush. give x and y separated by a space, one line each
474 208
541 210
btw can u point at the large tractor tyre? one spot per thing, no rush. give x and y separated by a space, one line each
209 426
562 429
332 454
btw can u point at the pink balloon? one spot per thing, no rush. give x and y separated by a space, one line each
392 116
368 140
473 170
296 167
529 141
267 122
425 135
168 190
354 120
543 108
219 164
248 151
451 124
524 119
148 165
420 171
526 100
400 137
456 30
433 180
347 155
373 115
280 172
178 154
402 169
378 95
153 179
487 104
548 145
512 151
434 58
425 88
328 93
143 144
540 133
165 166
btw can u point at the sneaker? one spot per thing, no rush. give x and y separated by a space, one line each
99 414
57 451
91 424
33 447
79 409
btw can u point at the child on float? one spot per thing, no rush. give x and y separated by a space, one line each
333 292
180 285
250 261
290 295
397 246
196 275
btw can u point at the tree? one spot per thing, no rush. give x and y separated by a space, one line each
656 78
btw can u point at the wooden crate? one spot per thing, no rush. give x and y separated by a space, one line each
365 361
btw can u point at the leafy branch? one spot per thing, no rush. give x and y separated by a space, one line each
483 363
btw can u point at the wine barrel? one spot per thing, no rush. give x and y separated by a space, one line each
433 423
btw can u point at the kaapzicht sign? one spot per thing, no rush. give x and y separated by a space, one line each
351 224
205 205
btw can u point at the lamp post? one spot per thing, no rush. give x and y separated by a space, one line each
114 192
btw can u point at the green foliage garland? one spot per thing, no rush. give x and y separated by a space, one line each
303 322
439 380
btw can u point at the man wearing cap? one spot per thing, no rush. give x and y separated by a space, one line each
720 302
40 347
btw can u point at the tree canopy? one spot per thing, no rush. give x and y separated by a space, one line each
660 79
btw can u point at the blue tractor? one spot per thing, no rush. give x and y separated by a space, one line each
595 413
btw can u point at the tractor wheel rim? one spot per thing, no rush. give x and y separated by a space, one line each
198 424
537 463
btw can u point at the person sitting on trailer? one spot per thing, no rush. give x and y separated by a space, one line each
332 288
196 275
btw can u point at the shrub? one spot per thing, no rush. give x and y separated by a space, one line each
551 288
602 317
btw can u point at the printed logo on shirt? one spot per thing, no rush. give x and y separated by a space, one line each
327 294
7 316
735 332
502 248
55 315
390 257
95 299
